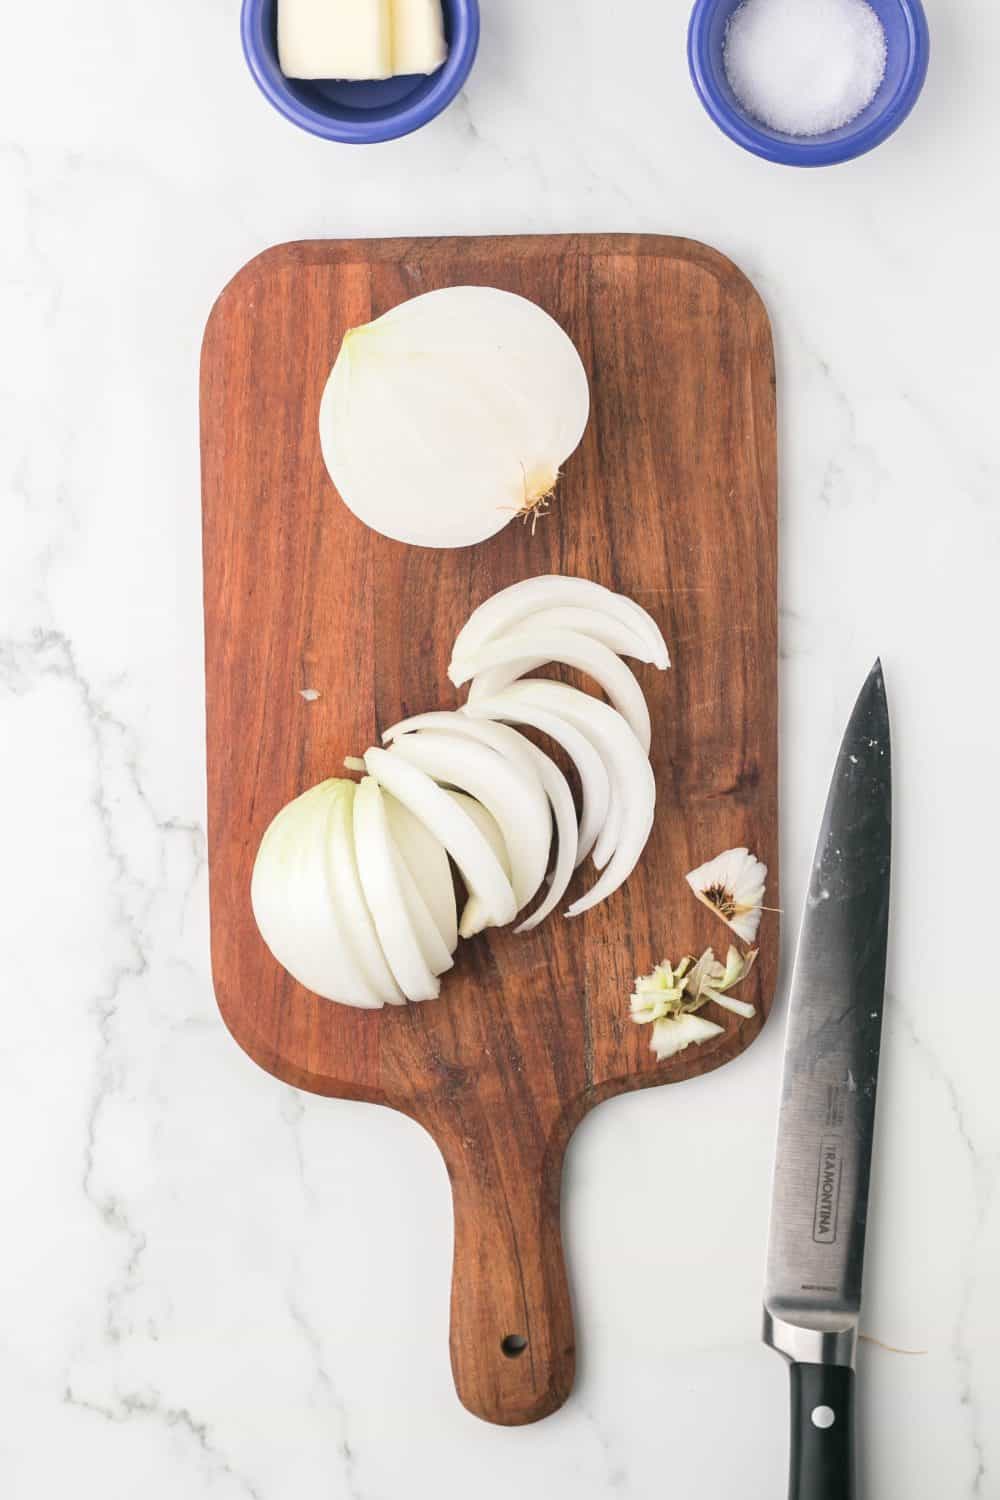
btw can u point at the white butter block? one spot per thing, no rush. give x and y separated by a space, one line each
335 38
418 44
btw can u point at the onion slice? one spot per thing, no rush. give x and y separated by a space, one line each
427 862
345 881
479 866
507 742
515 799
634 783
513 605
475 917
295 905
602 833
379 867
524 650
437 956
595 783
452 413
624 640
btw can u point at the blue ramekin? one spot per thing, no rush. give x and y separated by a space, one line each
360 113
907 51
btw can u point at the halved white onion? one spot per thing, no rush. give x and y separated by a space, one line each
484 396
427 862
522 651
507 742
294 904
515 799
479 866
379 867
511 606
634 783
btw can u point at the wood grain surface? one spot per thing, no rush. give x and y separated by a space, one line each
671 498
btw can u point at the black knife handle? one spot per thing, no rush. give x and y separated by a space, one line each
822 1451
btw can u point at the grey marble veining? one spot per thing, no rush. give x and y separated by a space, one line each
213 1286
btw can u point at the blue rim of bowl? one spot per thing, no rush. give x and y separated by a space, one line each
783 149
447 82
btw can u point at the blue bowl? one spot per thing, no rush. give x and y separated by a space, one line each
907 50
360 113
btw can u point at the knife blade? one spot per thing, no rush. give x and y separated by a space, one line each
812 1294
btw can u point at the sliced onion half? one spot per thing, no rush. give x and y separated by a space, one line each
524 650
451 826
512 605
507 742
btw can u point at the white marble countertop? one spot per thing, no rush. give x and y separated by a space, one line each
215 1286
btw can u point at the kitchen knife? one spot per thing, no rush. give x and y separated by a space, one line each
812 1294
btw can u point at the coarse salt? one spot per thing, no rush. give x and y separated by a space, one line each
804 67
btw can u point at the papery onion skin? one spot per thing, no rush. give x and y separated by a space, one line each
451 413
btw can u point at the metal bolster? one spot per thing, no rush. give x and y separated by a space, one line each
810 1346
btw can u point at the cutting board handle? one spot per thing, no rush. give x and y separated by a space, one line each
512 1343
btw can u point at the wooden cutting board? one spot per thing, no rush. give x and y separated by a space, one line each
672 499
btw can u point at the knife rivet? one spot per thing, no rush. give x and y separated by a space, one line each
823 1417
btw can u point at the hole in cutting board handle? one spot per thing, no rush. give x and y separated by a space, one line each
514 1345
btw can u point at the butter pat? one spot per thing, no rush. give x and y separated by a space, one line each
335 38
418 44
